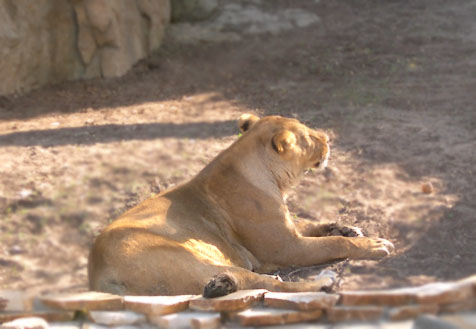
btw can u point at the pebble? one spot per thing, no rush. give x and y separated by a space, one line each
427 188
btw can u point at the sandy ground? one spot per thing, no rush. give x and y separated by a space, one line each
393 83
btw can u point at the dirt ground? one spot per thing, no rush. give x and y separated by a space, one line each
393 83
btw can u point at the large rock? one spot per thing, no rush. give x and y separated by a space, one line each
229 21
48 41
192 10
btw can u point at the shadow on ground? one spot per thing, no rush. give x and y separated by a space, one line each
113 133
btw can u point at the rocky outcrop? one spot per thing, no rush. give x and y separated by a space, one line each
192 10
229 21
48 41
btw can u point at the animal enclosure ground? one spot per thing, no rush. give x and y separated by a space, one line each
393 83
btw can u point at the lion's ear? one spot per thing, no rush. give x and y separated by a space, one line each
246 121
284 141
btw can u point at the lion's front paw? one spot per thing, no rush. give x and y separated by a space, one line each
368 248
348 231
383 247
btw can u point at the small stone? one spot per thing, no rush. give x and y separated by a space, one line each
411 311
432 322
444 292
100 326
299 326
196 320
408 324
46 315
233 302
466 305
26 323
270 316
116 318
90 300
432 293
66 325
158 304
300 300
208 321
354 313
93 326
391 297
16 250
427 188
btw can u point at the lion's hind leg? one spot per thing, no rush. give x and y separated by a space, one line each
235 278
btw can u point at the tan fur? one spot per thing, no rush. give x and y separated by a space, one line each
231 218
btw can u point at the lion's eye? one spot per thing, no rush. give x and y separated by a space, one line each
318 163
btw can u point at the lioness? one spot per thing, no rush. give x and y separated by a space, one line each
213 233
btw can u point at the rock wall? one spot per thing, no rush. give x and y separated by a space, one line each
192 10
48 41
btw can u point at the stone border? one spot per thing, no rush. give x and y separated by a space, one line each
93 310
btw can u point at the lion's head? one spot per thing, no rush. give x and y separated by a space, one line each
288 147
